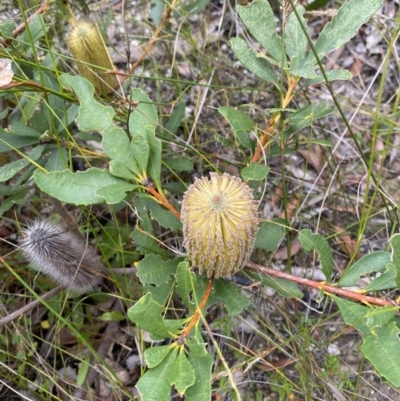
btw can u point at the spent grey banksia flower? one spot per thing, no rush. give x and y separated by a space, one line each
56 251
220 223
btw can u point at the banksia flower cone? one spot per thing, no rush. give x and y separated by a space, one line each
87 46
220 223
56 251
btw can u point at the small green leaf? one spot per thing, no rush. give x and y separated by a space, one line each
223 140
154 270
296 42
178 163
114 316
260 21
83 370
118 169
78 188
395 244
186 282
332 75
344 25
163 216
176 118
255 171
155 355
11 169
182 373
154 385
146 243
305 117
283 287
242 124
317 242
373 262
147 315
257 65
386 281
270 235
229 294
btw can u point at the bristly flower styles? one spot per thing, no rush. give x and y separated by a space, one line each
220 223
56 251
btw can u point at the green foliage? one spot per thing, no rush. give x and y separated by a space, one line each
50 128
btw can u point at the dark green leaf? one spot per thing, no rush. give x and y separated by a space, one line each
255 171
146 243
270 235
317 242
178 163
260 21
229 294
257 65
154 270
147 315
373 262
176 118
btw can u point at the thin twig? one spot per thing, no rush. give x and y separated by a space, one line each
320 286
32 305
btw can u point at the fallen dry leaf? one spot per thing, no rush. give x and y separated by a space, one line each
6 72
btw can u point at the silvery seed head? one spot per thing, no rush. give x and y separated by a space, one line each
54 250
220 223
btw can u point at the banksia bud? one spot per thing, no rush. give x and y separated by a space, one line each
87 46
220 223
56 251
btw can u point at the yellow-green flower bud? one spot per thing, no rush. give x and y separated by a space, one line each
87 46
220 223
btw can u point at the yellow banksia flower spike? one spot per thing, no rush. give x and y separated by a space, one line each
86 44
220 223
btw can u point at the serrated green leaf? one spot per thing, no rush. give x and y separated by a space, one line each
196 346
143 120
283 287
373 262
395 244
155 355
270 235
229 294
178 163
147 315
115 193
153 385
154 270
344 25
380 336
182 373
78 188
118 169
296 42
317 242
255 171
93 116
257 65
176 118
161 292
386 281
201 389
332 75
260 21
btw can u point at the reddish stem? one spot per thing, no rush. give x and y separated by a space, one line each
320 286
196 316
163 200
